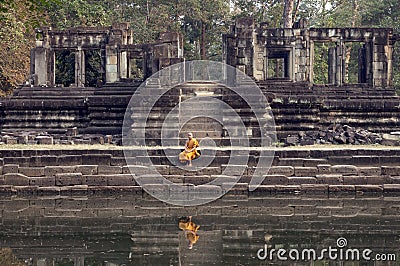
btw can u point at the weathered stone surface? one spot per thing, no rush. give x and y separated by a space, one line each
324 168
42 181
369 171
342 190
70 160
121 180
313 162
368 190
301 180
15 179
94 180
390 170
197 180
281 170
41 161
53 170
86 169
44 140
31 171
10 168
68 179
96 159
330 179
344 169
305 171
275 180
391 189
354 180
107 170
315 189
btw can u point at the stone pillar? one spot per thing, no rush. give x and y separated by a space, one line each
379 66
332 65
340 64
80 68
245 45
40 66
389 53
123 66
112 74
259 61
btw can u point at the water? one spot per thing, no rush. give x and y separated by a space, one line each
139 230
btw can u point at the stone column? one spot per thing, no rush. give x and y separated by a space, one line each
332 66
40 65
123 66
80 68
112 74
340 67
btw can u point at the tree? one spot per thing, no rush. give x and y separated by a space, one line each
266 11
288 14
18 19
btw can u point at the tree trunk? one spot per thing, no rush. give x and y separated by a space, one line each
203 53
356 7
288 14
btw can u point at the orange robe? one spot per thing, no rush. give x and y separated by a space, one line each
186 156
190 229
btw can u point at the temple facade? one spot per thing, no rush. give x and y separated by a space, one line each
114 43
291 54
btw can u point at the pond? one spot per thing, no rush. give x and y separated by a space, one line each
124 229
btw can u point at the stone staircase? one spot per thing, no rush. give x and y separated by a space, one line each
86 172
206 109
304 107
53 110
296 107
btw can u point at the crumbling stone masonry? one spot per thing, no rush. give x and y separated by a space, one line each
116 46
253 49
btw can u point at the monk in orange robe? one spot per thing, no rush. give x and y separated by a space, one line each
190 151
190 229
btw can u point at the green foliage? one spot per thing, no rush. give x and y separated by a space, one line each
268 11
200 22
71 13
65 68
320 68
93 68
17 22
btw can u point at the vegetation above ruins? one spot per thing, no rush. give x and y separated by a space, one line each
200 22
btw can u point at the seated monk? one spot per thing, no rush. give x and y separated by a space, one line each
190 229
190 151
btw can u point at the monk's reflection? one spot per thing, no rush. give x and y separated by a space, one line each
190 229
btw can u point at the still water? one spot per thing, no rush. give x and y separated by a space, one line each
234 230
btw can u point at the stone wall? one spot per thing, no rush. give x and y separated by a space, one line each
326 172
115 43
255 48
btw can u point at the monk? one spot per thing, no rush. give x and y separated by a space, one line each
190 229
190 151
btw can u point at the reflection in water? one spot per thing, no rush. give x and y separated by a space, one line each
190 230
138 230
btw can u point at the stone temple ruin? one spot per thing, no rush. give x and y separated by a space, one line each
287 64
281 61
254 50
115 45
80 196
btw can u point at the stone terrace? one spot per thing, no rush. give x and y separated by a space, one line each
344 171
296 107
